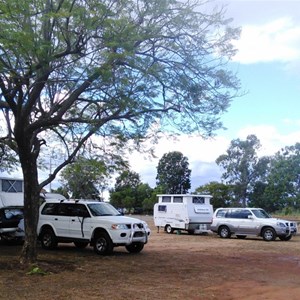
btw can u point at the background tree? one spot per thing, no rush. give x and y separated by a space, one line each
259 198
173 174
129 192
222 194
283 189
124 194
73 69
8 160
85 178
242 166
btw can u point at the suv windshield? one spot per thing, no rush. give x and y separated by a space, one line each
103 209
260 213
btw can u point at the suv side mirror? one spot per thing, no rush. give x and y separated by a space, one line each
250 217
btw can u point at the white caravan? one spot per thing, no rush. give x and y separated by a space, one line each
192 213
11 208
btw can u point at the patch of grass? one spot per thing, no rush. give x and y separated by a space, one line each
35 270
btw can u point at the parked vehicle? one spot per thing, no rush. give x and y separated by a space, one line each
251 221
192 213
11 208
11 223
85 222
11 211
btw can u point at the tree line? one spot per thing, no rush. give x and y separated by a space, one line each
269 182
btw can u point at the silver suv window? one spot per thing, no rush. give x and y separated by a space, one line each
260 213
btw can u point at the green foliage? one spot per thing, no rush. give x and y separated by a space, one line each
35 270
8 160
173 174
84 178
242 167
129 192
284 179
222 194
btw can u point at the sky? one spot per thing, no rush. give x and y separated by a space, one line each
268 66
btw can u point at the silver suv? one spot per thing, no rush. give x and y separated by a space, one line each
89 222
251 221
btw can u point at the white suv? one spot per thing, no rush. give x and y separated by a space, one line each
251 221
85 222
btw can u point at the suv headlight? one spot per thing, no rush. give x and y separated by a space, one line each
280 224
119 226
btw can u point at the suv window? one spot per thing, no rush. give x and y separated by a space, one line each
221 213
65 209
238 214
50 209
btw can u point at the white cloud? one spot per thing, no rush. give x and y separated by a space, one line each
203 153
271 139
278 40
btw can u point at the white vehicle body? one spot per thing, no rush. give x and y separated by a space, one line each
86 222
192 213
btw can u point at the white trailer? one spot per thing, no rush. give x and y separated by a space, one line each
192 213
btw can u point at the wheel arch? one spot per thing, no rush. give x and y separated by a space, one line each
97 231
264 227
46 227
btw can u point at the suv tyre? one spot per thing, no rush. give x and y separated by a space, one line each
269 234
224 232
48 239
103 244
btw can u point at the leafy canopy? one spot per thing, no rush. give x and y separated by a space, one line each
73 69
173 174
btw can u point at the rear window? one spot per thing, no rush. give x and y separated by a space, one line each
198 200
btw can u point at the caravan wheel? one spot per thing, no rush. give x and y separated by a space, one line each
169 229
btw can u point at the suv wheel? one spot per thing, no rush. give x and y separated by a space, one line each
103 244
48 239
169 229
135 247
269 234
224 232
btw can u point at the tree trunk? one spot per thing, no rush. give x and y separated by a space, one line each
31 209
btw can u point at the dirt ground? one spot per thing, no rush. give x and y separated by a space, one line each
171 266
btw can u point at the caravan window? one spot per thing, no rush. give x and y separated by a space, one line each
177 199
166 199
12 186
198 200
162 208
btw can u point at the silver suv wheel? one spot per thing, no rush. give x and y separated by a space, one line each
224 232
269 234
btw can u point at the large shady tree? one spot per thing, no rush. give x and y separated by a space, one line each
74 69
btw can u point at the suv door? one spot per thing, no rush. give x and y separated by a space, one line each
54 214
246 224
79 221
